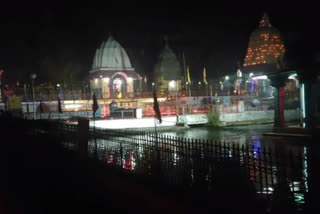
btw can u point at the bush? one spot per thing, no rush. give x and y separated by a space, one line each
213 119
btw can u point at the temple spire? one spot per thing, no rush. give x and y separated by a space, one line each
110 35
265 21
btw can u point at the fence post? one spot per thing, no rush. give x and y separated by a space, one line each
83 137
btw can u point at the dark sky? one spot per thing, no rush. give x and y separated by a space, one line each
46 39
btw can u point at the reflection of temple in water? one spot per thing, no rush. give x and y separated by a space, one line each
112 75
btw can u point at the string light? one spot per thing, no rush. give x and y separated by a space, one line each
265 45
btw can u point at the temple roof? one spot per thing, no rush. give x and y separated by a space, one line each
265 27
168 66
265 47
111 55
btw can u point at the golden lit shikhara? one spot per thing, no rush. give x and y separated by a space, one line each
265 44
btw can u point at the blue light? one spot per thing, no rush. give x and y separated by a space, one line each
256 145
252 84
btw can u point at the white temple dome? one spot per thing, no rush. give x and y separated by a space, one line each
111 55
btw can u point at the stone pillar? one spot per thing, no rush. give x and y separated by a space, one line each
278 82
279 107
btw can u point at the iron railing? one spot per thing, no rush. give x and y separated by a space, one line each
189 163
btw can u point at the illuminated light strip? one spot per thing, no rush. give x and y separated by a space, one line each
264 77
303 104
305 171
293 75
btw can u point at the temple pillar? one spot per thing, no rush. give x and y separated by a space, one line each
278 82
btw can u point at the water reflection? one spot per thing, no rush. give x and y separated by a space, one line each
294 148
190 162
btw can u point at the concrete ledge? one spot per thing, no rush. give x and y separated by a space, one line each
242 118
288 135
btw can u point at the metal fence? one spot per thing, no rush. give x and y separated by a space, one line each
190 163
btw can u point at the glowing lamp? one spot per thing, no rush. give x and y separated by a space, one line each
264 77
172 84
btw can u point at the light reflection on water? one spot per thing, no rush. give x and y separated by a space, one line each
240 134
253 135
139 157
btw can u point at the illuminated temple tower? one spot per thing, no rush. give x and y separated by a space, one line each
112 75
265 52
168 73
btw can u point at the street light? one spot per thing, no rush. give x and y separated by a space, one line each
33 76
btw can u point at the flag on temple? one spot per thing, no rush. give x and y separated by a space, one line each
59 105
156 107
95 104
205 76
188 75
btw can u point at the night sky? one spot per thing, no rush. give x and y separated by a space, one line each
55 39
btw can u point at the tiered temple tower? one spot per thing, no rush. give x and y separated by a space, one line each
112 75
264 55
168 72
265 48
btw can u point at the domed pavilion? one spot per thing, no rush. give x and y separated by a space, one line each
112 75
